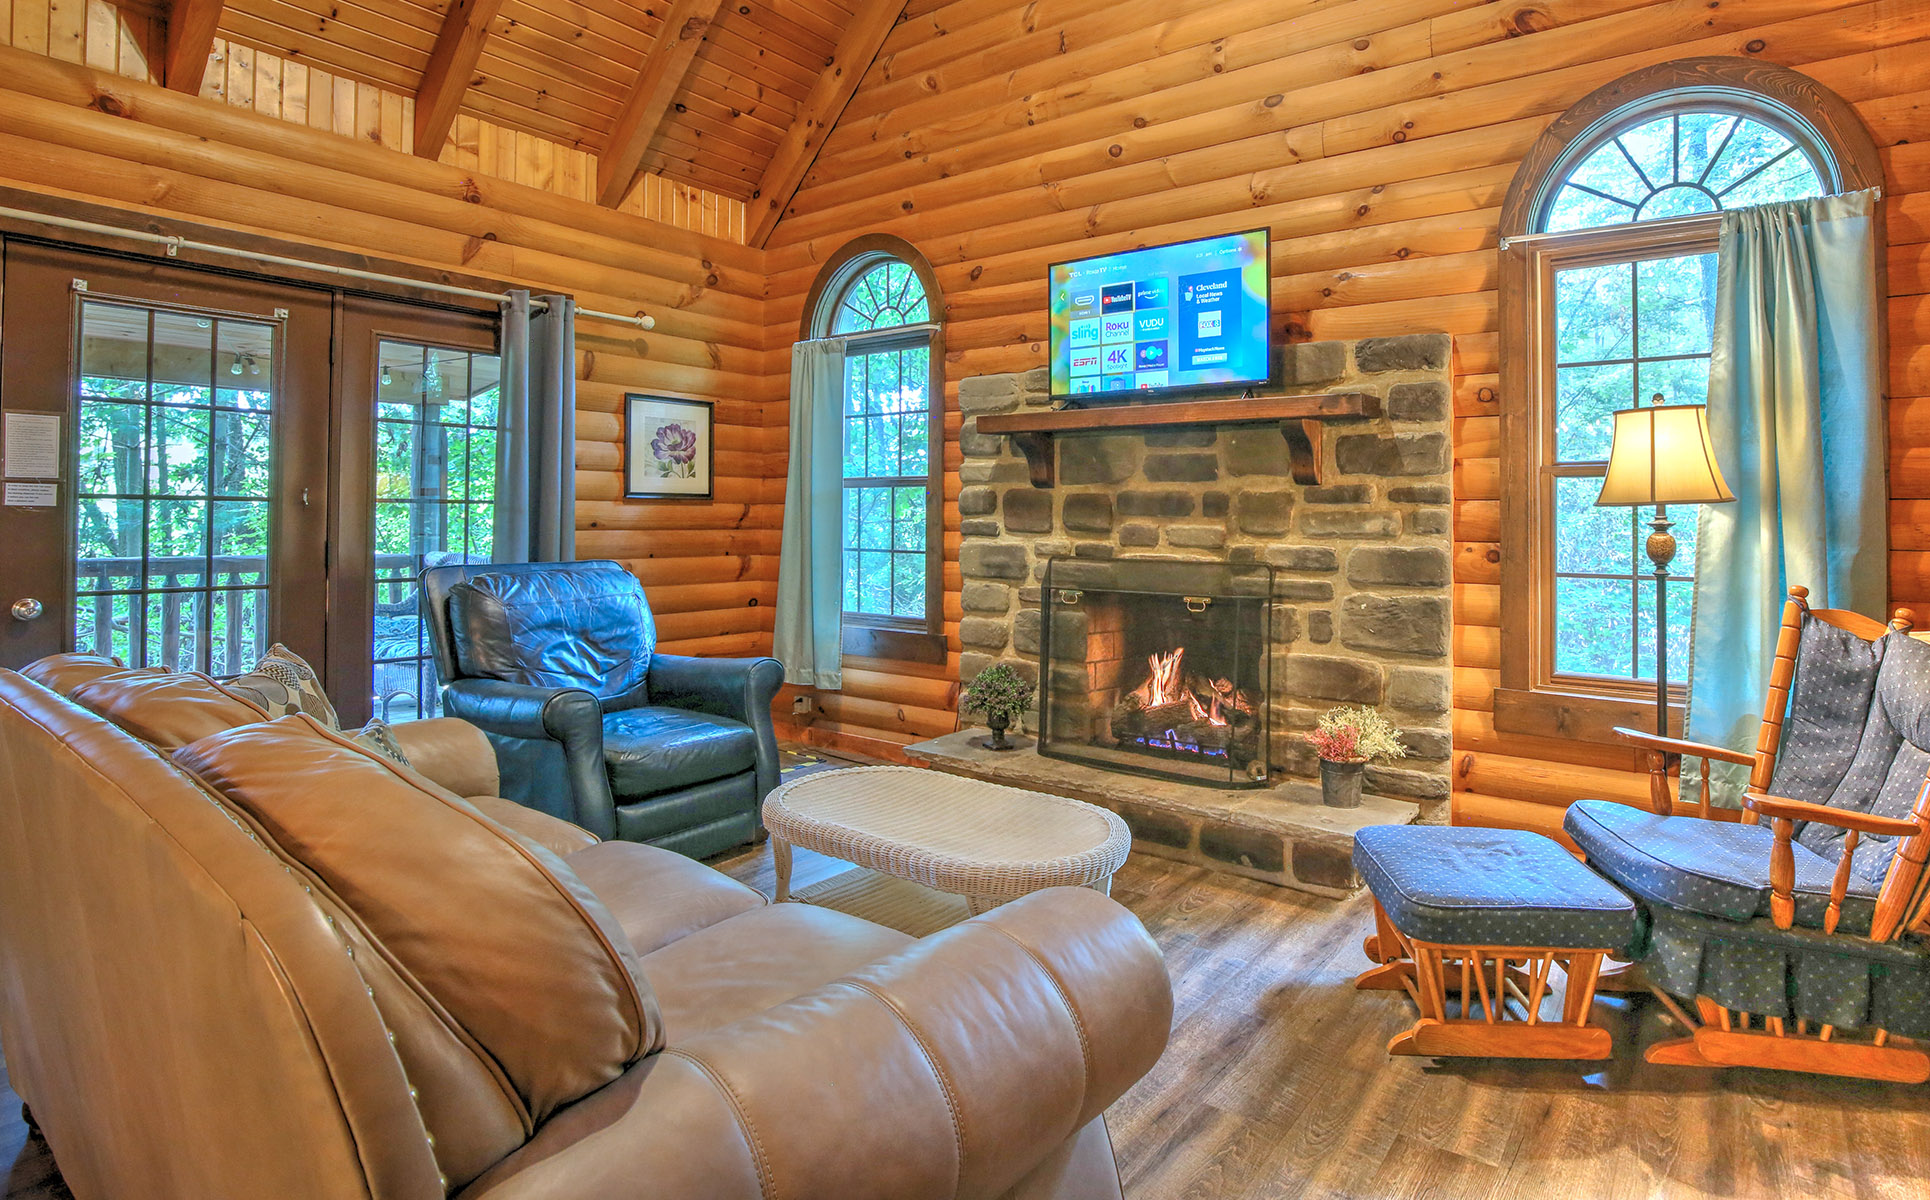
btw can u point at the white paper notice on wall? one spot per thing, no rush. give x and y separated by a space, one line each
32 446
32 495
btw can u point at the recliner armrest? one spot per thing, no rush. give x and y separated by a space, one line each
950 1069
739 688
521 710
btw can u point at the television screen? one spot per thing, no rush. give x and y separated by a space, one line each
1188 315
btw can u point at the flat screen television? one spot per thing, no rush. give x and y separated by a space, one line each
1176 318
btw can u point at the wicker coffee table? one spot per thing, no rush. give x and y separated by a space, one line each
937 848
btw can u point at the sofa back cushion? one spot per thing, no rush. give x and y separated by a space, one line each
581 625
62 673
498 930
165 709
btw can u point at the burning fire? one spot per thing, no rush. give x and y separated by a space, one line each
1208 700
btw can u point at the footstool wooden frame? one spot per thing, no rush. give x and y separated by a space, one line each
1500 987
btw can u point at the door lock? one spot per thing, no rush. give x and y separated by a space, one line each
28 609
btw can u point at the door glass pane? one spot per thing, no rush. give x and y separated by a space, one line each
436 425
171 563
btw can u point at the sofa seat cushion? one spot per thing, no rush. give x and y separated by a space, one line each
758 960
1715 868
659 896
1490 887
650 749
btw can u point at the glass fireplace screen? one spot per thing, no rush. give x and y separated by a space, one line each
1157 667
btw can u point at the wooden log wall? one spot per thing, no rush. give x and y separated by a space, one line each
1377 138
128 39
71 131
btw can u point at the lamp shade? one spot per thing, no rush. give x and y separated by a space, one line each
1662 455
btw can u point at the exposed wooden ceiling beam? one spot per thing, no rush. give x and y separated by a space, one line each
191 28
821 109
664 70
452 66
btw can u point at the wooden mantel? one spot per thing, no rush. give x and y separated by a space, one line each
1300 419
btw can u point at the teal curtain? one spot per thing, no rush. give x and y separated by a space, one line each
810 565
1796 409
535 512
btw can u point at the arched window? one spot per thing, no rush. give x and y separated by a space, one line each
1608 293
879 295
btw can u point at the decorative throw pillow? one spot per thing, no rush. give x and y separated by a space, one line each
378 738
283 684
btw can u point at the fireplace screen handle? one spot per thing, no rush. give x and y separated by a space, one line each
1197 604
1069 595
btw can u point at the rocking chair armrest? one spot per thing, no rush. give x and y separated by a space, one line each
1669 745
1783 808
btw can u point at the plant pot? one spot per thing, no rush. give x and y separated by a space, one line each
1340 783
999 723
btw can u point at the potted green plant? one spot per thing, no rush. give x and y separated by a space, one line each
1347 739
1003 695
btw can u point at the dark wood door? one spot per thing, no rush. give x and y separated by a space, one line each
189 521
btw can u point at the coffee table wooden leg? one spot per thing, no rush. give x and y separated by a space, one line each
781 856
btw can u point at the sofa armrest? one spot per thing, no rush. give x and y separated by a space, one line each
569 717
450 752
554 834
742 689
952 1068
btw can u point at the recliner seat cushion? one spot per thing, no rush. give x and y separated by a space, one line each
1716 868
583 626
500 931
650 750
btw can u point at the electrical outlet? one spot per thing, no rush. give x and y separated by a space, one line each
800 706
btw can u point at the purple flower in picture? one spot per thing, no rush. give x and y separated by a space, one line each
675 448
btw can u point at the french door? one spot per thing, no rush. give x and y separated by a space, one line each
242 462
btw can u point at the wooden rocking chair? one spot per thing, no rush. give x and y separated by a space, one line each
1800 953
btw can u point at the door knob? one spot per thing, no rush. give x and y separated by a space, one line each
27 609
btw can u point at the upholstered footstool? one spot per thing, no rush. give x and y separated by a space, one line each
1489 914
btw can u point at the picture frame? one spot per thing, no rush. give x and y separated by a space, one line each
669 448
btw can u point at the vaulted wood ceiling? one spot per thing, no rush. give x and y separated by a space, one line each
731 95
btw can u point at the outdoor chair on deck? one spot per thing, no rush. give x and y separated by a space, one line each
1800 941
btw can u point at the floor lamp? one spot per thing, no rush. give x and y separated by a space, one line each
1662 456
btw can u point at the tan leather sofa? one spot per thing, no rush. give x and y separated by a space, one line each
245 958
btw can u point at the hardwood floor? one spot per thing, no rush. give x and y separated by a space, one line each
1277 1086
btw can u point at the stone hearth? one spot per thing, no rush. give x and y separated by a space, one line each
1362 596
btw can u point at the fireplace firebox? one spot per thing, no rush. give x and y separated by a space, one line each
1158 667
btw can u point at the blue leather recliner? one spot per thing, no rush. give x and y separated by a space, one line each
557 663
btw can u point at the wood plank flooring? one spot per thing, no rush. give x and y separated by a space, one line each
1276 1086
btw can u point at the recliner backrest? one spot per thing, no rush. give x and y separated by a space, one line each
1829 704
1892 756
583 625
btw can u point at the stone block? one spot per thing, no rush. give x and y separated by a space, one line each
1138 535
1256 450
1430 521
1110 458
1400 781
1215 504
1182 468
1264 514
1421 493
1196 537
1038 379
1048 547
988 394
1395 624
1303 589
971 663
1417 402
1312 560
1083 573
973 444
1427 745
1406 566
1025 634
1341 493
1027 510
1346 680
977 501
1182 439
1414 352
993 470
1094 550
1342 523
1320 627
1307 364
1286 626
1323 865
1087 512
996 560
1155 504
1394 454
1421 689
986 597
1156 827
980 527
1254 849
984 633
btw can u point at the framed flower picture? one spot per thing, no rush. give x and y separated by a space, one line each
668 452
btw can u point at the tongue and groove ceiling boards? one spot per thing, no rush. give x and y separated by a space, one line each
732 96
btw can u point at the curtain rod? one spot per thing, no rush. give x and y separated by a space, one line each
872 335
1876 193
176 244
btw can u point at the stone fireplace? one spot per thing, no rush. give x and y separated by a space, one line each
1358 571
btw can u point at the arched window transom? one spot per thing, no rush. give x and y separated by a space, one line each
882 296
